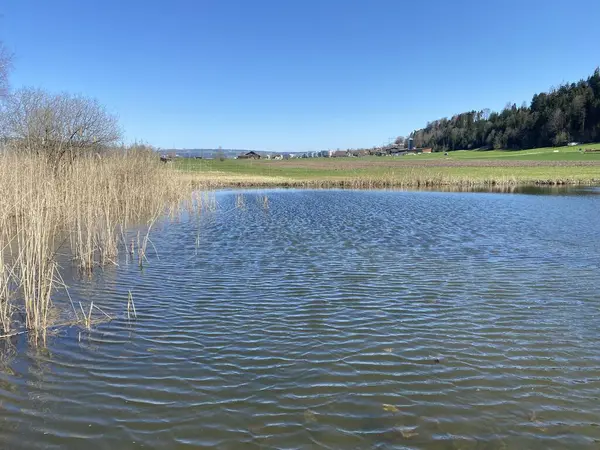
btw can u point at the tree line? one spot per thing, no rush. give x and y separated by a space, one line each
565 114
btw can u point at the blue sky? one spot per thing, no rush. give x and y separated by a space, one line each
296 75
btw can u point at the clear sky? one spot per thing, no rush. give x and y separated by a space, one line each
296 75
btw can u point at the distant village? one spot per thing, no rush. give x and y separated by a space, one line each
397 149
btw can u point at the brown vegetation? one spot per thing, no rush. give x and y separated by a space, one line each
83 209
408 161
65 186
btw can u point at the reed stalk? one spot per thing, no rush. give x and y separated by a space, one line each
5 296
89 204
131 307
240 201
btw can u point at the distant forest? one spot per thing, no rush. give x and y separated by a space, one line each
568 113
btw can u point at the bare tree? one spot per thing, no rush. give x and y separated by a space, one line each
61 127
5 66
399 141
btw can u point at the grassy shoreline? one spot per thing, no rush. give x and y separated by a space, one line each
548 167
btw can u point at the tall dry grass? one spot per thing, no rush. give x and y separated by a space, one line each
82 209
106 195
5 296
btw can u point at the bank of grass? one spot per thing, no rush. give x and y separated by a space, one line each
565 153
83 210
549 166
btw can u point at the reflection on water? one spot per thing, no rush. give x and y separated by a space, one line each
542 190
333 319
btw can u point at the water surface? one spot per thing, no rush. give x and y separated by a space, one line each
333 319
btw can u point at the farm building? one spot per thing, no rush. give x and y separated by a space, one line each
339 154
249 155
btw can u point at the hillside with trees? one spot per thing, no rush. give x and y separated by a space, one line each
568 113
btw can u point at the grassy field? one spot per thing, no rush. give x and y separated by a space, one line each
536 154
564 165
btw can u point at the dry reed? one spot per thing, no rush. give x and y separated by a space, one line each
5 296
131 307
263 200
88 206
407 178
240 201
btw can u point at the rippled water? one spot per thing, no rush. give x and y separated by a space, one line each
333 319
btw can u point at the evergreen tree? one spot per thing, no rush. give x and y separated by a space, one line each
570 112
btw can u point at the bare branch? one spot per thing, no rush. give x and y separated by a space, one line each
61 126
5 66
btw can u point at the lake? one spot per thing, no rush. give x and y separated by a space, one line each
332 319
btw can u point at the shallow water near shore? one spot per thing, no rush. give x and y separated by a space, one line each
333 319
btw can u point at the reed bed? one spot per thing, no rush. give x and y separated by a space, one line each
83 209
406 180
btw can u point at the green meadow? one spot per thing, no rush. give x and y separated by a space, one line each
563 165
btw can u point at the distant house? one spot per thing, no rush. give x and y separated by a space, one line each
427 150
339 154
249 155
